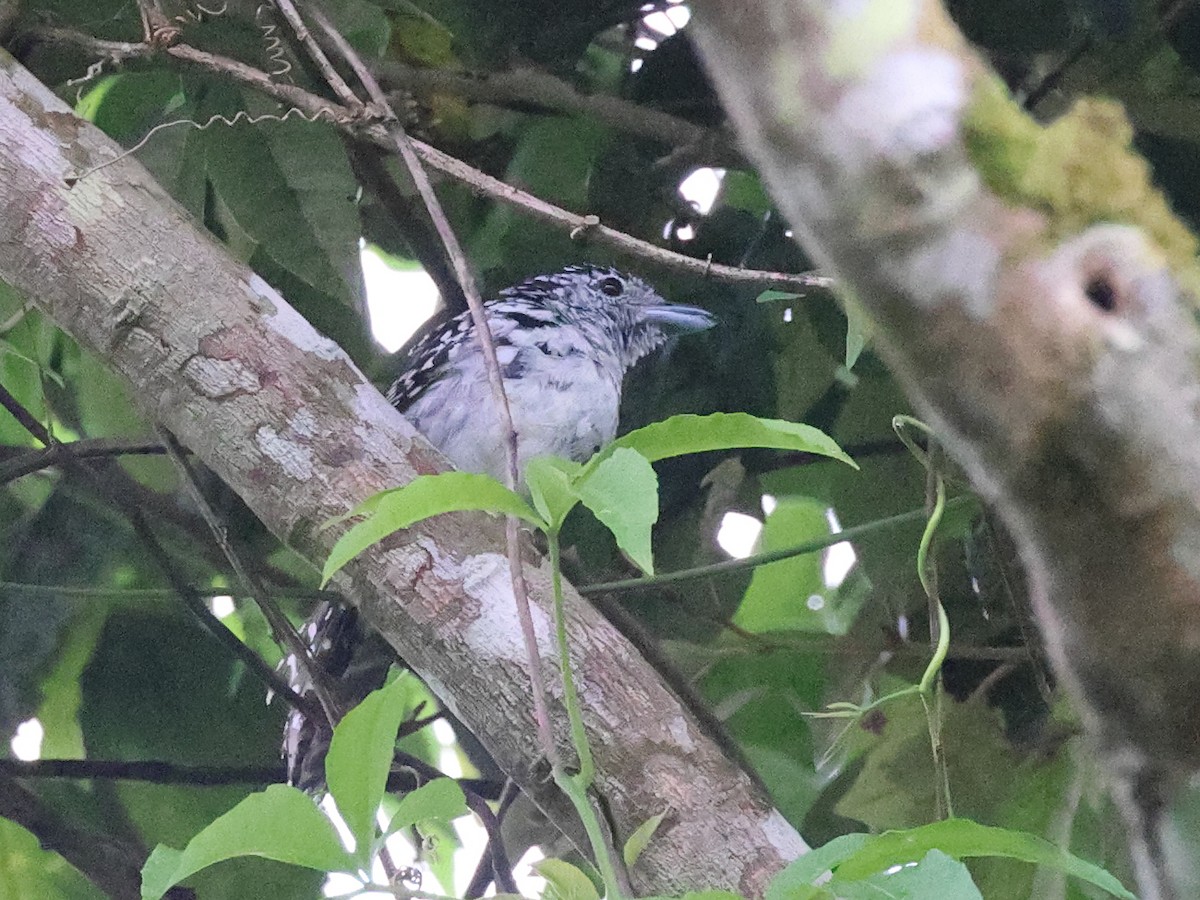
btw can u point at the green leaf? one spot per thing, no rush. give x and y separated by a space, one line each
680 435
858 330
441 800
622 490
770 296
791 594
424 496
289 187
280 823
641 837
743 190
565 881
550 480
961 838
360 757
936 877
795 881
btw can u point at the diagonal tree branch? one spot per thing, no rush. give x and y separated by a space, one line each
284 417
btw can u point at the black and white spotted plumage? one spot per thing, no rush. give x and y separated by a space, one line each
564 343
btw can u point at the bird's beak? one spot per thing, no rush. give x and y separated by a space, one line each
677 319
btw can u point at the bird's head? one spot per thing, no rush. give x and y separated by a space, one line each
615 308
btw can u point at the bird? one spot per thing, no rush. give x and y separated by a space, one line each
564 343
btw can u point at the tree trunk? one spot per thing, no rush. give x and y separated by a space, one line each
1058 362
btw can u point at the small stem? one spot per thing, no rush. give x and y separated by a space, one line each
577 794
587 768
762 559
576 786
930 686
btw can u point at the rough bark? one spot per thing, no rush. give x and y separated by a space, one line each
283 416
1059 366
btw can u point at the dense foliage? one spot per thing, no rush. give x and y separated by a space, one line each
98 648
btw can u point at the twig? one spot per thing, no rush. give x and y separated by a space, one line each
152 771
481 183
31 461
761 559
56 591
462 271
281 628
146 534
540 90
111 865
490 865
335 81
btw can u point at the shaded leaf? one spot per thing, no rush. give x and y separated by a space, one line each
622 491
280 823
795 881
936 877
960 838
441 800
360 757
565 881
550 480
424 496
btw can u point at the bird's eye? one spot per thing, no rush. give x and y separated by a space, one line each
612 287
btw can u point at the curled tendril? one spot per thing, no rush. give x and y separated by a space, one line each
240 117
197 12
273 46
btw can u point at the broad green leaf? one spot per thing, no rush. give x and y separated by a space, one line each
640 838
289 187
936 877
961 838
795 881
680 435
550 480
424 496
791 594
565 881
771 296
441 800
280 823
360 757
622 491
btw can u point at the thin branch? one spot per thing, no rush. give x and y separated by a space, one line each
112 866
352 122
60 591
152 771
483 333
335 81
281 629
146 534
760 559
530 87
30 461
